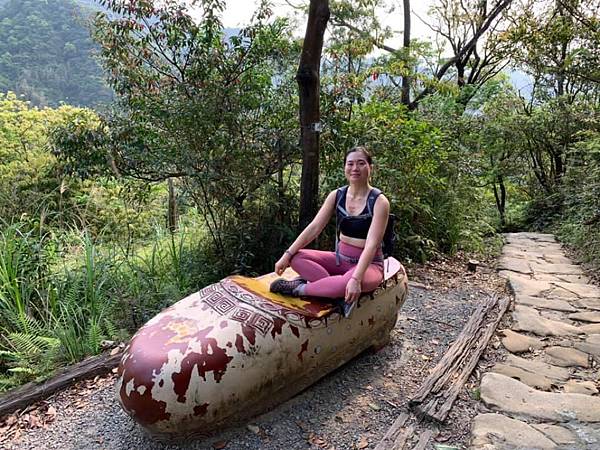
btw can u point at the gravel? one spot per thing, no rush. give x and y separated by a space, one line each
351 408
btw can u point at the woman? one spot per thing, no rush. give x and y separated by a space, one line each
357 265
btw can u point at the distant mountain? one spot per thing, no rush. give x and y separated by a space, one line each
47 55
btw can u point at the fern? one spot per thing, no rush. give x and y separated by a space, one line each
94 336
7 383
110 328
23 324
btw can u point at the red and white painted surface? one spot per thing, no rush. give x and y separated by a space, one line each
234 350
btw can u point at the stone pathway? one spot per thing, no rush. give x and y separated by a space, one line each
545 394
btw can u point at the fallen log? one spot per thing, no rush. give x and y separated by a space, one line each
452 392
32 392
449 363
424 439
390 438
436 397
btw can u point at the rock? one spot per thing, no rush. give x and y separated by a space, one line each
530 379
513 251
555 315
498 431
561 277
505 274
558 434
586 317
557 258
516 342
528 319
589 303
523 286
590 329
518 265
562 269
581 290
567 357
591 346
528 236
502 393
580 387
537 302
574 278
539 368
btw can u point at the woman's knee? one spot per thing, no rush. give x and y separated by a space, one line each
371 279
299 257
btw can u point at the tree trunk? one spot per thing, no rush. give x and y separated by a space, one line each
173 214
309 85
406 45
500 198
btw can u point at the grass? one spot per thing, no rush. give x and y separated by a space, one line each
61 310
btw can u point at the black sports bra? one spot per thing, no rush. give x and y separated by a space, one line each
355 226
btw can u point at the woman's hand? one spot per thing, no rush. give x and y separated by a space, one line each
282 264
353 290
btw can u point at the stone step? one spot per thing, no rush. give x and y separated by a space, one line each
496 431
529 319
518 343
545 303
502 393
536 374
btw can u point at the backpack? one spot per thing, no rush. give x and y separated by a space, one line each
389 237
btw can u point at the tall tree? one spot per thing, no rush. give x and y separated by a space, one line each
309 86
468 26
476 58
406 46
197 107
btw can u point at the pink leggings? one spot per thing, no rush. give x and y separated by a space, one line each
326 279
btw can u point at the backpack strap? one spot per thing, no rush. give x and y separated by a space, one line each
340 194
371 199
373 195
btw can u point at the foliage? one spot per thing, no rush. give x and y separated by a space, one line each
557 42
35 187
60 299
46 54
85 255
215 113
580 222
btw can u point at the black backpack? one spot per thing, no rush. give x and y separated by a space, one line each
389 237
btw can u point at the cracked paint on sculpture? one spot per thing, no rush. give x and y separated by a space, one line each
234 350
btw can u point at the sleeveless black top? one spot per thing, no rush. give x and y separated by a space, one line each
355 226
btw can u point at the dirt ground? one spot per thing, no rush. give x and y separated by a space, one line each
351 408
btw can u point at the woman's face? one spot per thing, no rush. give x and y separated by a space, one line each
357 168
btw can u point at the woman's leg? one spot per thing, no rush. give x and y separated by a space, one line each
313 265
335 286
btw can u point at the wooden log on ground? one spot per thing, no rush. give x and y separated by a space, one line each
452 359
452 393
438 406
424 439
389 439
32 392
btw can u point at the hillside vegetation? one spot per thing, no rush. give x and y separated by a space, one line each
47 54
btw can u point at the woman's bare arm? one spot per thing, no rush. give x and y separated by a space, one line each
312 230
